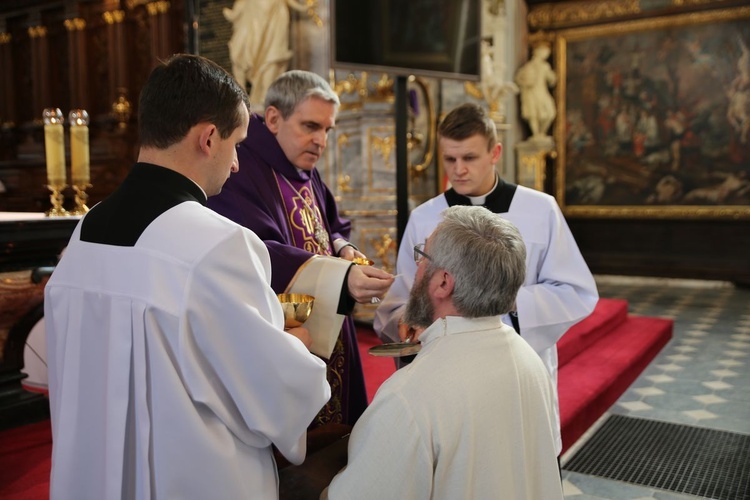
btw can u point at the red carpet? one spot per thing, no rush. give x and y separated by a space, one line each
599 358
25 462
376 369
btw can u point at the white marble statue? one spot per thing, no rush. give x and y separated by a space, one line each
494 86
259 46
537 105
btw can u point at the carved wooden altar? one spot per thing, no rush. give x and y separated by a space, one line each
27 242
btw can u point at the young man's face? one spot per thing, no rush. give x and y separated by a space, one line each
303 135
470 167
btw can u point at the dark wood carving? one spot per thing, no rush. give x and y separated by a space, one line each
79 68
69 54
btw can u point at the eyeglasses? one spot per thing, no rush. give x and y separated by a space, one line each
419 253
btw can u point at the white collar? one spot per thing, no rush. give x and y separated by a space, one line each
199 187
479 200
451 325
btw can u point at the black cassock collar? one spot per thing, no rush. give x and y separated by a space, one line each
146 193
498 201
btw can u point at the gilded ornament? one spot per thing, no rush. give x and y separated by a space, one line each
350 85
385 247
122 109
686 3
415 138
383 89
550 16
75 24
114 16
37 31
473 90
343 183
384 146
156 8
311 6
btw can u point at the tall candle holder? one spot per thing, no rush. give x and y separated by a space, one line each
54 146
79 158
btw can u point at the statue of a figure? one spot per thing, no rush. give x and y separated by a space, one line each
494 87
537 105
259 46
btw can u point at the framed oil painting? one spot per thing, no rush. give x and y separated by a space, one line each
654 117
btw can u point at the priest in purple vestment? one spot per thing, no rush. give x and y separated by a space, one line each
279 194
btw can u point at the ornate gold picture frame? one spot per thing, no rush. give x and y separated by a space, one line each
654 117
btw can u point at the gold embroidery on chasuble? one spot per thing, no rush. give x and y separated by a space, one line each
305 220
332 412
301 211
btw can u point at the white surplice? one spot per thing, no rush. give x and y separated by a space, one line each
472 417
170 375
558 291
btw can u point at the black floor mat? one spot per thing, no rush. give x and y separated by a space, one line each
682 458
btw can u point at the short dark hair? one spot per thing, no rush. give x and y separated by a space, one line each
468 120
183 91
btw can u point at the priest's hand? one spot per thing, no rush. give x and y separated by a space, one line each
351 253
367 282
301 333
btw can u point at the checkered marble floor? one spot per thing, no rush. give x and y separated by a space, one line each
700 378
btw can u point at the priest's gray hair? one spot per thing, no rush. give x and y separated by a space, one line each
486 256
293 87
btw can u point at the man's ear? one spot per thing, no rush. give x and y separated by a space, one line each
273 117
207 137
496 150
443 284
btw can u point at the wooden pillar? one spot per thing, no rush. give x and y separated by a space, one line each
161 30
79 87
8 116
117 53
39 71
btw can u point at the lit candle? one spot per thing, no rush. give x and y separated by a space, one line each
79 147
54 146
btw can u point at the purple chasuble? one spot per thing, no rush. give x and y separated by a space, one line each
304 216
259 198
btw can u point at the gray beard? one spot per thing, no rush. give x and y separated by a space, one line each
419 312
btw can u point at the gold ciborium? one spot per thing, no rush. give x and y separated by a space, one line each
297 308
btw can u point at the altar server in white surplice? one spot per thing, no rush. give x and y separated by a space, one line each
559 289
170 373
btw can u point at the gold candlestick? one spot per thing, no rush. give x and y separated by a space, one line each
54 147
56 198
79 158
